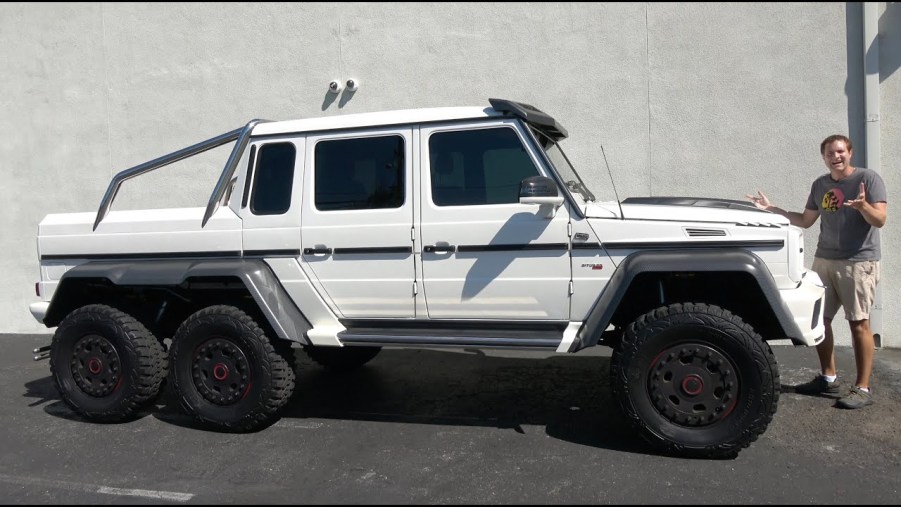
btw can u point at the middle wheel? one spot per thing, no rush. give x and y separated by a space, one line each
225 371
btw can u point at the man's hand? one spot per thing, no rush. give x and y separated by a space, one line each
874 213
861 199
760 200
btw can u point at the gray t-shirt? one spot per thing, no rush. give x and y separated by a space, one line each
844 234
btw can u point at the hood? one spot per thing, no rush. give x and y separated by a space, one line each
694 209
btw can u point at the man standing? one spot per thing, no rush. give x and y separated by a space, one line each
852 204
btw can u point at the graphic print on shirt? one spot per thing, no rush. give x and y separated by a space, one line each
833 200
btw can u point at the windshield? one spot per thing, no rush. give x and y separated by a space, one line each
585 191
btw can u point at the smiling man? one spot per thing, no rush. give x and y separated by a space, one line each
852 203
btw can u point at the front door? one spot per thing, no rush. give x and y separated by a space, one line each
485 255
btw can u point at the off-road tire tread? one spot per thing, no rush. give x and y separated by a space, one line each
659 319
273 365
133 340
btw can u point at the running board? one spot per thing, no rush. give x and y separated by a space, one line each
448 341
541 336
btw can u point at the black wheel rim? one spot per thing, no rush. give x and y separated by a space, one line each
96 367
221 371
693 385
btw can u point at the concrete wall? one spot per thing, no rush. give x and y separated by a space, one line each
686 99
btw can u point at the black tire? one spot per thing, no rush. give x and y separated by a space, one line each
695 380
106 365
226 373
341 359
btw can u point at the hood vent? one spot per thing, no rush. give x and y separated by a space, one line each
703 233
757 224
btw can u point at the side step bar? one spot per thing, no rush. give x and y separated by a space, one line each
458 341
540 339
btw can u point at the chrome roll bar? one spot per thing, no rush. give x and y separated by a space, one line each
242 135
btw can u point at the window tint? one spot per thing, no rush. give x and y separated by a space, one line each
478 167
274 179
365 173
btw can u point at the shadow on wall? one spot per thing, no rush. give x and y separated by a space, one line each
889 54
330 98
854 82
889 41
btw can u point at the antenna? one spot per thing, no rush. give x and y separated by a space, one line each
612 183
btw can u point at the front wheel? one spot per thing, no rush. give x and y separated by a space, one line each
225 371
695 380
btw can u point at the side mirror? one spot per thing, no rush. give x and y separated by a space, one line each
541 190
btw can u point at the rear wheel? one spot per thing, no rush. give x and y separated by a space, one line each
695 380
106 365
225 371
342 359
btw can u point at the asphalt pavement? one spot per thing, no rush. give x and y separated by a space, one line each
444 427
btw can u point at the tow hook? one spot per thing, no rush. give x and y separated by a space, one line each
41 352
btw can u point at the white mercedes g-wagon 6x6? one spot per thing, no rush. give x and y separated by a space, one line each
445 227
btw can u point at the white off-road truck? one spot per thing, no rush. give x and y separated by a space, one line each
443 227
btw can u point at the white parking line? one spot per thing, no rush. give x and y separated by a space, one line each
92 488
283 423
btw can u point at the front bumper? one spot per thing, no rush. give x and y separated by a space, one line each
806 303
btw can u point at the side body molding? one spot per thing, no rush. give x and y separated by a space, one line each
285 317
664 261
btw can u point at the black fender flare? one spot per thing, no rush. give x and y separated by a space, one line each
682 260
273 300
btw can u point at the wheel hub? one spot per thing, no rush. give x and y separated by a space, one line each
221 371
95 365
693 385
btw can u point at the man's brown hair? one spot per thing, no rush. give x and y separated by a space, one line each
831 139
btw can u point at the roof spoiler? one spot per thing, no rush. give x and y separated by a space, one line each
531 115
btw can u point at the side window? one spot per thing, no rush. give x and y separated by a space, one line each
273 180
355 174
477 167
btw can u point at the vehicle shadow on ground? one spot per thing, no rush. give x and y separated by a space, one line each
568 395
44 391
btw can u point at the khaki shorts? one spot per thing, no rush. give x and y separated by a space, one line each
850 284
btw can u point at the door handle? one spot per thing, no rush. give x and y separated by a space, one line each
317 250
439 249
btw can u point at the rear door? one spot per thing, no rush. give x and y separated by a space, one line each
357 221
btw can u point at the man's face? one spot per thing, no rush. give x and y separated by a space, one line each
837 156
